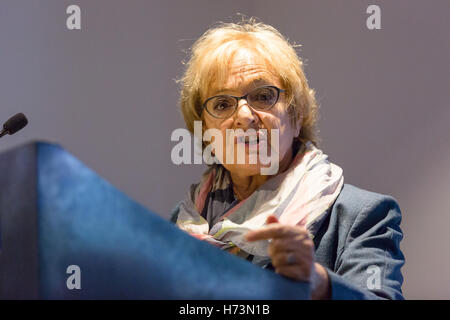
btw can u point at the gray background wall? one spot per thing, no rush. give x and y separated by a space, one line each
107 94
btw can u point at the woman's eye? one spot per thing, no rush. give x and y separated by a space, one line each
223 105
265 95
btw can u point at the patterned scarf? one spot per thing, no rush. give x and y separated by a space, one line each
301 195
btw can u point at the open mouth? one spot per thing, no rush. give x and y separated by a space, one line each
251 139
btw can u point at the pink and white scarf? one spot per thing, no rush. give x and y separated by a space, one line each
301 195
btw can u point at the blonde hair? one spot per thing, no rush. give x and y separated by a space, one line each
212 52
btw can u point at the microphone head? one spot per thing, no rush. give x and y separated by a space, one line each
15 123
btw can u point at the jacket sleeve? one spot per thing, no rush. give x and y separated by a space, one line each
368 266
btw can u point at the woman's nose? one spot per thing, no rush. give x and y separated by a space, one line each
244 114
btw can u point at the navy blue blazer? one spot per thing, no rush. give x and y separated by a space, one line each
359 245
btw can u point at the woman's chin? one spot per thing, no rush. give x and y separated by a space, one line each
246 169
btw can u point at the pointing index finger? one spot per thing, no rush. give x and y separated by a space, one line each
274 230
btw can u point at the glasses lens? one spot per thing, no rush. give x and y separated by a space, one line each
221 106
263 98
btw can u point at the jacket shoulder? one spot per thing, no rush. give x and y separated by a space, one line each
357 210
352 201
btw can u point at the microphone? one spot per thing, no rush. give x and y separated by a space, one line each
14 124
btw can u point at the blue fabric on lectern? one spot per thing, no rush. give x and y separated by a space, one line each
126 251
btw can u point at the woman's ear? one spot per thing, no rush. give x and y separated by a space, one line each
298 125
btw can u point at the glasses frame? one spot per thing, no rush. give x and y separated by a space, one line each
243 97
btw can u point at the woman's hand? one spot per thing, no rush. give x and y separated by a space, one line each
292 253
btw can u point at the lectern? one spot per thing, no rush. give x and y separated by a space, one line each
56 214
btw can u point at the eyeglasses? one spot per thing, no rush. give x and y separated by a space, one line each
262 99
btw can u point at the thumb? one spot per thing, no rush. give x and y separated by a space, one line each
271 219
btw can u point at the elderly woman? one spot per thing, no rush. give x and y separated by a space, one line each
302 221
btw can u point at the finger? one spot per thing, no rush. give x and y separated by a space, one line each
270 220
299 242
274 230
288 258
